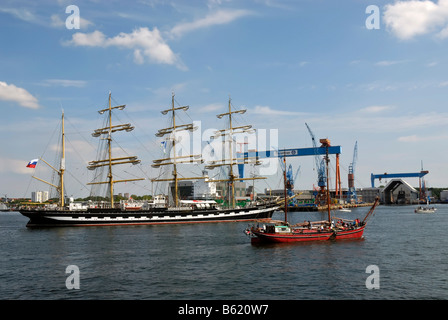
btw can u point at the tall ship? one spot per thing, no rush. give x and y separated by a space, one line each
159 210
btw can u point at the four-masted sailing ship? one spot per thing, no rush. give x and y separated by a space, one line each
157 211
331 229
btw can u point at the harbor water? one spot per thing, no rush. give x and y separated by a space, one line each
216 261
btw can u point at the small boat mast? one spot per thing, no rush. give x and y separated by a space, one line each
327 160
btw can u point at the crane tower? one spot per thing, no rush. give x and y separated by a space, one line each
320 168
351 193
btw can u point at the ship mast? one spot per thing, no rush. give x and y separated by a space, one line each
110 161
60 172
62 167
174 160
327 160
230 132
284 191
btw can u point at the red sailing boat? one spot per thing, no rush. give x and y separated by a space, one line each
331 229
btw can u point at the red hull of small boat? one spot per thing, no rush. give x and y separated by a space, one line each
302 237
350 234
262 237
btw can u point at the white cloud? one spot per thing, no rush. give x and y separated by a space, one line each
22 14
147 45
376 109
386 63
411 138
93 39
415 138
57 22
385 122
26 15
13 165
167 91
407 19
75 146
64 83
138 57
266 110
213 107
10 92
215 18
443 34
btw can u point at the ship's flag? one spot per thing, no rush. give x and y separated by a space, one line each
32 163
163 145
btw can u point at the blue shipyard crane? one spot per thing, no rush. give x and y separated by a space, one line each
323 150
420 174
290 179
320 168
289 182
351 193
294 152
320 164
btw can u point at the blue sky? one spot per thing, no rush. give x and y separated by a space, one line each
286 62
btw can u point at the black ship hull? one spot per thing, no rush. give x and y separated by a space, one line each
115 217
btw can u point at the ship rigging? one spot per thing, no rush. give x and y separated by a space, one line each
227 136
109 161
156 211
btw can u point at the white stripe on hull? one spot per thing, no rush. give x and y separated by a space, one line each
116 219
158 218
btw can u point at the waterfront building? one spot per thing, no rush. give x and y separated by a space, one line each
39 196
398 191
444 195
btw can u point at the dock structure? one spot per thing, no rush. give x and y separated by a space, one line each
324 150
420 174
294 152
345 205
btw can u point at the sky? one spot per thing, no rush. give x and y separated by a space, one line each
376 76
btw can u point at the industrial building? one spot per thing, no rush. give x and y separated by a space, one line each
184 189
369 195
398 191
444 195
